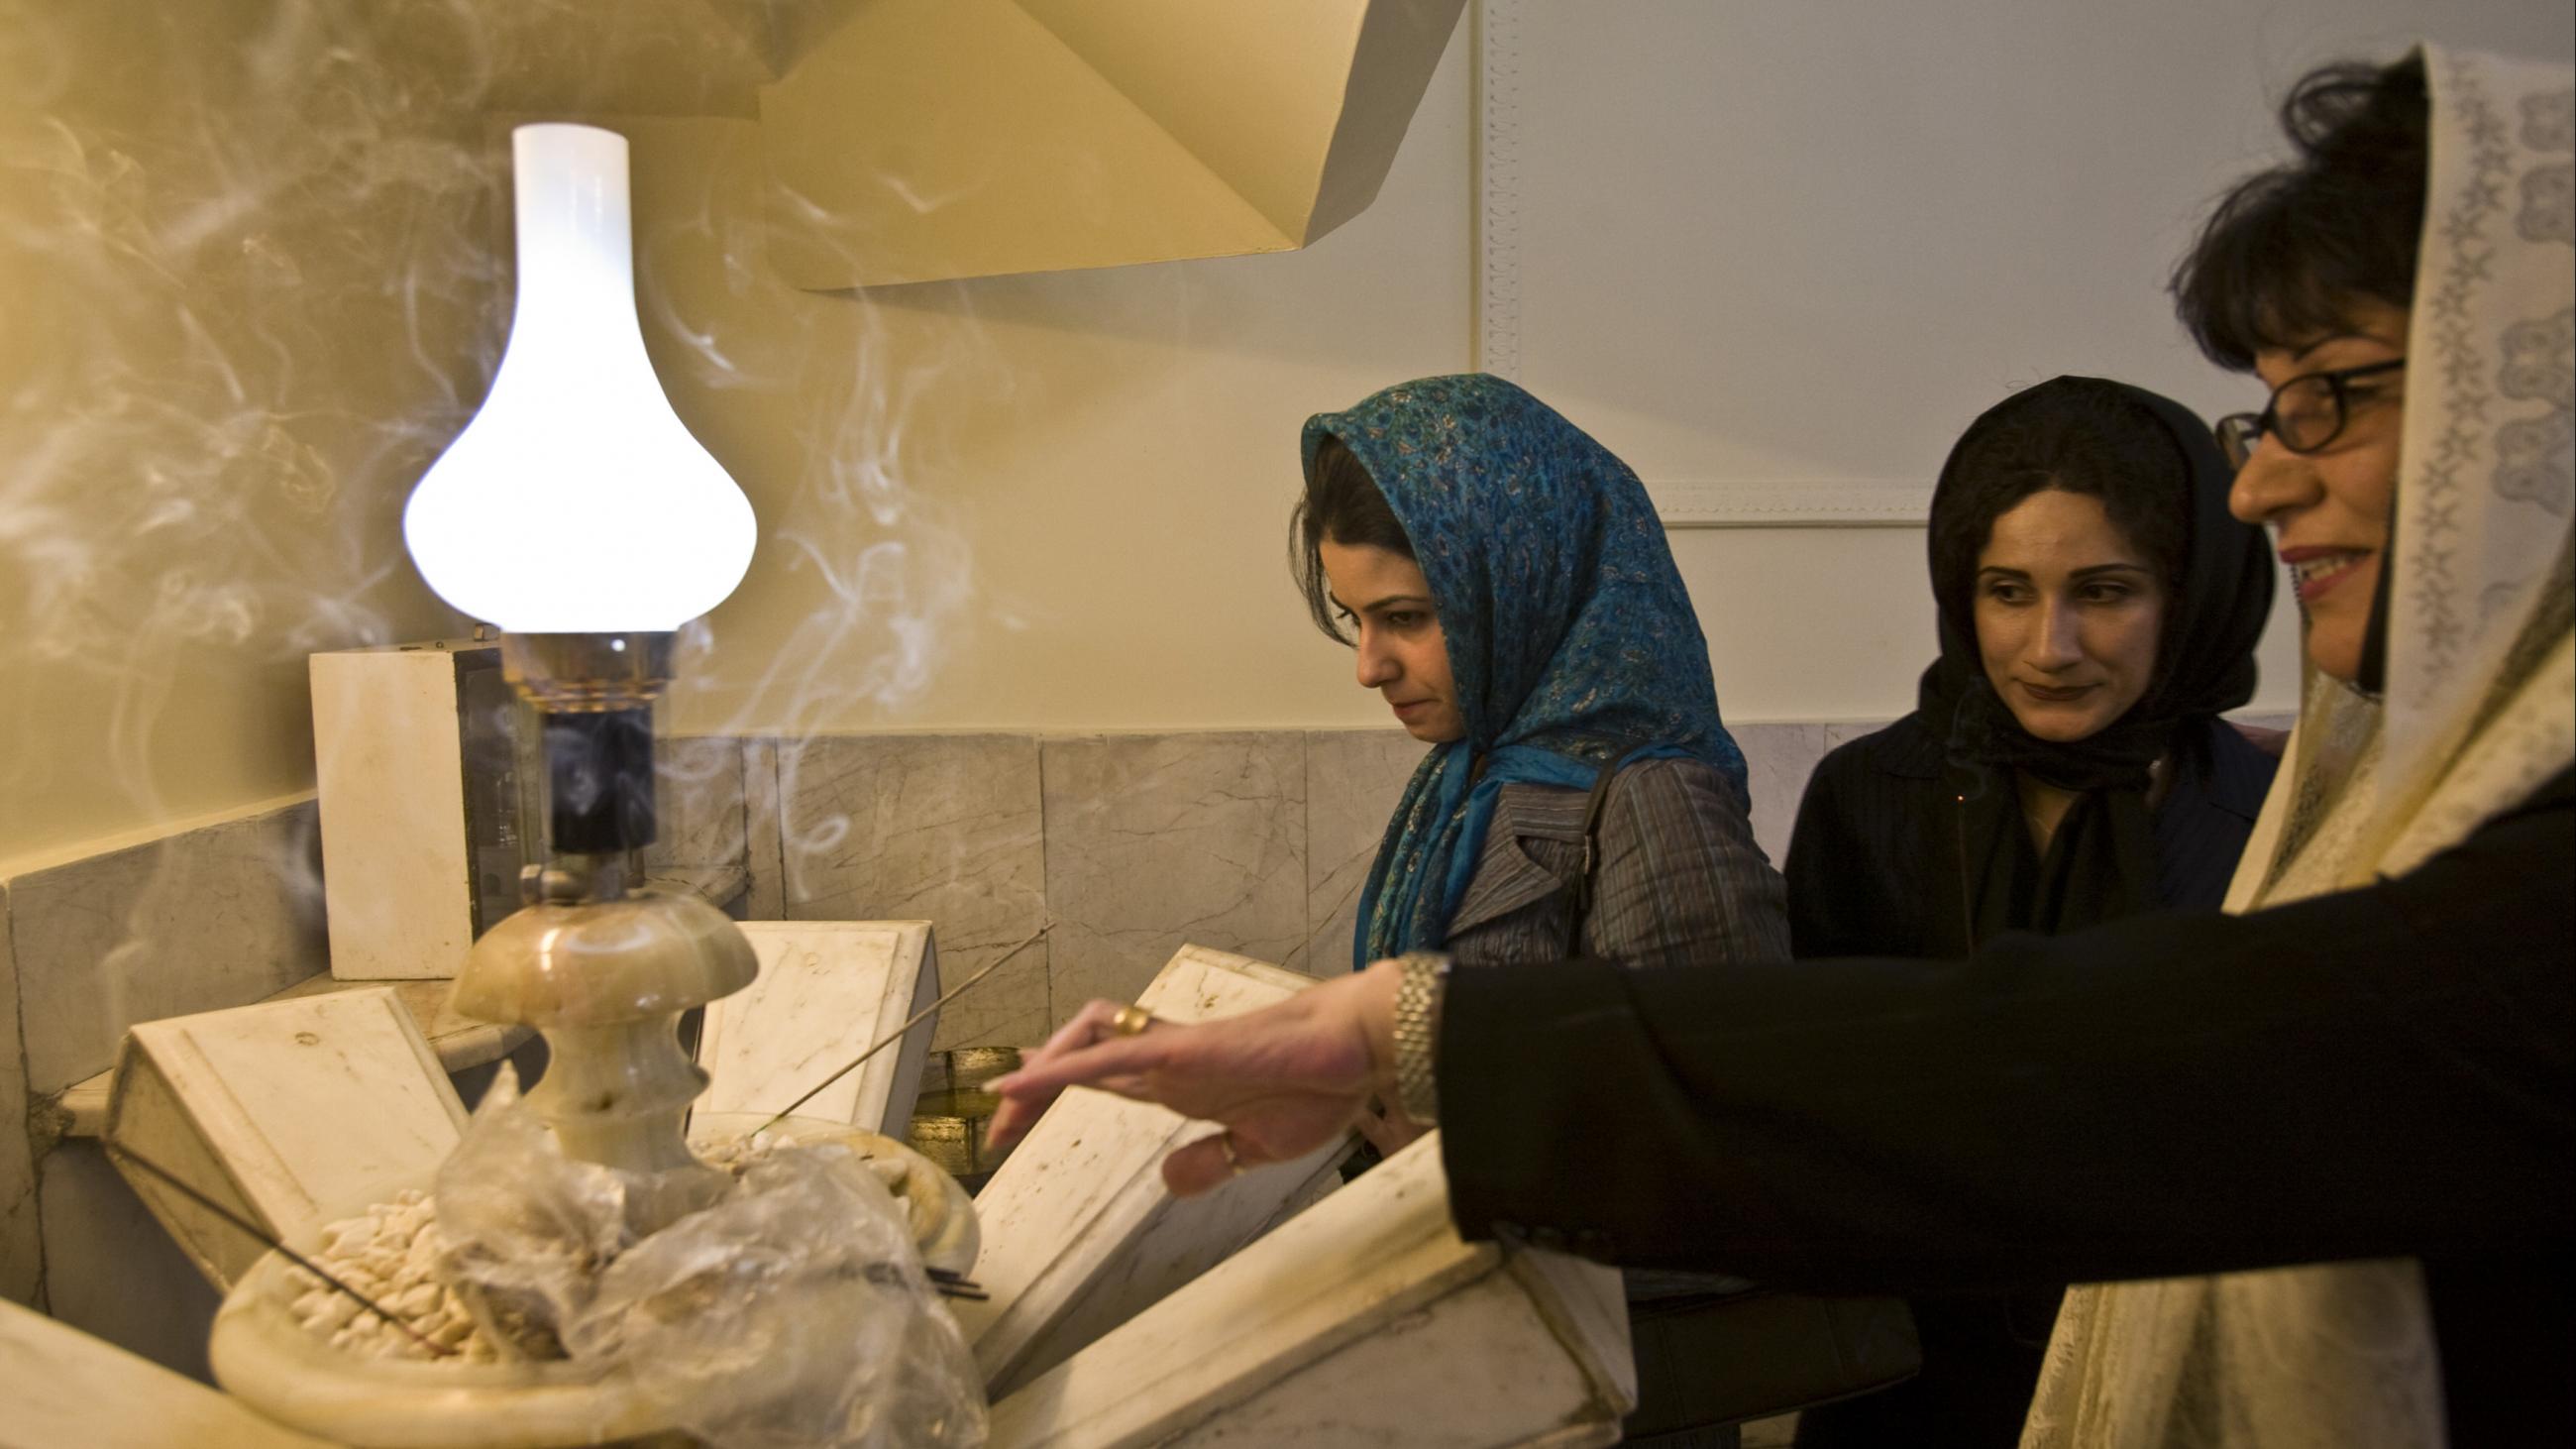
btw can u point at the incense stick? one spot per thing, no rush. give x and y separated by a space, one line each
916 1019
948 1283
171 1180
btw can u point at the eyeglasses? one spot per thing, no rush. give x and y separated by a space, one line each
2306 413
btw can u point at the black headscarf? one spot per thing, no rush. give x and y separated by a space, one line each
2101 864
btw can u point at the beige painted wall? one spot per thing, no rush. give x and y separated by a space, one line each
206 403
251 276
1043 502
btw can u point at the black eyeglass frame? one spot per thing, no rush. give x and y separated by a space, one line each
2239 434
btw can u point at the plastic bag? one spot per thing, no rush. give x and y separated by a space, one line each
795 1313
528 1230
792 1313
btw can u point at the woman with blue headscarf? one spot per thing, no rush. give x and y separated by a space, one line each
1505 583
1506 586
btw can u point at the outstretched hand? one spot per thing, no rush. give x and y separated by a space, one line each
1281 1081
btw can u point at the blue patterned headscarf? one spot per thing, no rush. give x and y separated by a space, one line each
1571 640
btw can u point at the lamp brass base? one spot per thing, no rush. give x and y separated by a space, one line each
588 673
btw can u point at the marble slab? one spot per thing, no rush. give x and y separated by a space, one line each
698 797
215 917
827 991
1153 841
460 1041
64 1387
22 1261
1366 1320
1353 780
1778 758
1080 1233
764 851
937 828
288 1112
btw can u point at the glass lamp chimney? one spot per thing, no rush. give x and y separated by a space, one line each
576 501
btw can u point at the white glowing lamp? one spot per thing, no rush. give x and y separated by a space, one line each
576 501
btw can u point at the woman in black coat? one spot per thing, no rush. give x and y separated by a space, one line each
2066 766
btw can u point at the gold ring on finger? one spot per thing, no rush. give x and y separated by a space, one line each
1131 1020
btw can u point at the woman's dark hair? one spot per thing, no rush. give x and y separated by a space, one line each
2078 435
1342 503
2286 252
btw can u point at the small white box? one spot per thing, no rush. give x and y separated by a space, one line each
431 797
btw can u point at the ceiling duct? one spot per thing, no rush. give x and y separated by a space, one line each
924 140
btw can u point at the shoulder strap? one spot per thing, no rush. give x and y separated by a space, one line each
1579 890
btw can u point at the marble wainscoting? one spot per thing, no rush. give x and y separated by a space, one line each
22 1248
702 817
1353 780
1253 841
219 915
1131 844
1154 841
942 828
1778 758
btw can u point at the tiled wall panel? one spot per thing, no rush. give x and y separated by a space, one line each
1353 780
942 828
1153 841
220 916
21 1248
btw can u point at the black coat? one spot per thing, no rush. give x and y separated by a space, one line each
1874 865
1876 869
2383 1072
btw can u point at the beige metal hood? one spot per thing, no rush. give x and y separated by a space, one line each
921 140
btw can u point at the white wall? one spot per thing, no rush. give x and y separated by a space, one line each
246 309
1778 243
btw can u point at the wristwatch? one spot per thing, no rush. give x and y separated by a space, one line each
1419 990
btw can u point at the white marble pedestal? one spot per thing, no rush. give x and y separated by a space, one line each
1080 1234
1366 1320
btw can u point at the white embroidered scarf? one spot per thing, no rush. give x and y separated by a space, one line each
2480 710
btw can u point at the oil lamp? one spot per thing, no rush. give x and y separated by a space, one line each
576 512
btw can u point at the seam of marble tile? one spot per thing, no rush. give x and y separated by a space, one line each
1046 900
21 1123
1047 903
17 1004
1295 959
764 830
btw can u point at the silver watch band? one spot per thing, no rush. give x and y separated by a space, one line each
1419 991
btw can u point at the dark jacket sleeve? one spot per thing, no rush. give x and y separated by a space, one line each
2385 1071
1819 844
1681 881
1851 891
